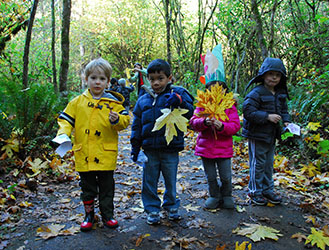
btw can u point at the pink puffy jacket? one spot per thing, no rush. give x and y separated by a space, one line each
207 145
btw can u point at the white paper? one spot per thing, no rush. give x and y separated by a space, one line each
293 128
65 144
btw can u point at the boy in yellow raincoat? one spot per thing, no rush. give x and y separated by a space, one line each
97 116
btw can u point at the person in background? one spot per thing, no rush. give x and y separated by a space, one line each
264 108
140 77
162 157
96 116
125 91
114 84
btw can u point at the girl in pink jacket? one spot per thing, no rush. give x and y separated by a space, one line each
216 152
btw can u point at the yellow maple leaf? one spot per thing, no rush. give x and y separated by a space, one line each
257 232
36 167
11 146
50 231
215 102
242 246
313 126
170 119
310 170
317 237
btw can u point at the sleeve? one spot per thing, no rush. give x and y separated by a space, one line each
187 102
131 88
251 110
123 120
66 119
232 126
136 128
134 78
284 113
196 122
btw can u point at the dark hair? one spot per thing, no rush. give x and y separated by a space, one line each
138 64
114 80
208 84
158 65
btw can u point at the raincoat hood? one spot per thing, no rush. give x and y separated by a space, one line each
271 64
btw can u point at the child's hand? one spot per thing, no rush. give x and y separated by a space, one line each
286 124
217 124
113 116
274 118
208 121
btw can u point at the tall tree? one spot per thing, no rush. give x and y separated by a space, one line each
27 44
53 42
66 18
167 17
259 28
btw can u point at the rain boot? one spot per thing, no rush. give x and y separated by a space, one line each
226 191
215 198
88 222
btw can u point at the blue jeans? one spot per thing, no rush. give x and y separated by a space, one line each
261 157
166 163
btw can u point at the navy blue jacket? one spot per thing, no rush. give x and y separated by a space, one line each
258 104
147 110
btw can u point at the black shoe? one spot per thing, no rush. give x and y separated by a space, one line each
273 198
258 199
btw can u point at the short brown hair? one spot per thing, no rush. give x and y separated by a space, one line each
101 64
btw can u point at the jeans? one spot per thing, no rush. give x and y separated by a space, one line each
261 157
222 187
99 183
165 163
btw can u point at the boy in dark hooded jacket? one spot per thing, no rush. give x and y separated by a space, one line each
263 109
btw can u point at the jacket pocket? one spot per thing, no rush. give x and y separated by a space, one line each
110 147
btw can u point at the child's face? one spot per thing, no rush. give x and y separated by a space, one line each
97 82
271 79
159 81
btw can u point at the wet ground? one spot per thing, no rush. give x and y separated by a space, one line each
199 228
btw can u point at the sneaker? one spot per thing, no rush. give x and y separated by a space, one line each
273 198
174 215
258 199
111 223
153 218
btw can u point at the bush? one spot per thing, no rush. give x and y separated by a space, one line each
31 114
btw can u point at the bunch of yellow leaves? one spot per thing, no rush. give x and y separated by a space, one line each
215 102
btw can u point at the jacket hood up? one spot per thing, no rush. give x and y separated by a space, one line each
271 64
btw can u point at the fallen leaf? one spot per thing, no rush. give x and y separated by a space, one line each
317 237
243 245
300 237
257 232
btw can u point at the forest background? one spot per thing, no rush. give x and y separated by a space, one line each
45 45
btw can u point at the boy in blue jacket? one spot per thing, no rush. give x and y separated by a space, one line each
162 158
264 108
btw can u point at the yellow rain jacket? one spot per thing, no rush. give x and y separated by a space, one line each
95 143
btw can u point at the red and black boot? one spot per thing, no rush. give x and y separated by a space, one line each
88 222
111 223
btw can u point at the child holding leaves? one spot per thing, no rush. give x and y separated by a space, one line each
217 120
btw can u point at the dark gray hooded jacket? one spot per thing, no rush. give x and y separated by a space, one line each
260 102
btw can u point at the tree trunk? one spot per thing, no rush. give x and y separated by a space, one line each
27 45
65 47
53 40
259 28
166 7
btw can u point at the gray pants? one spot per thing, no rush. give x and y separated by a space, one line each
261 157
222 187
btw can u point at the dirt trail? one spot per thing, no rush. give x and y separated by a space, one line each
199 229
